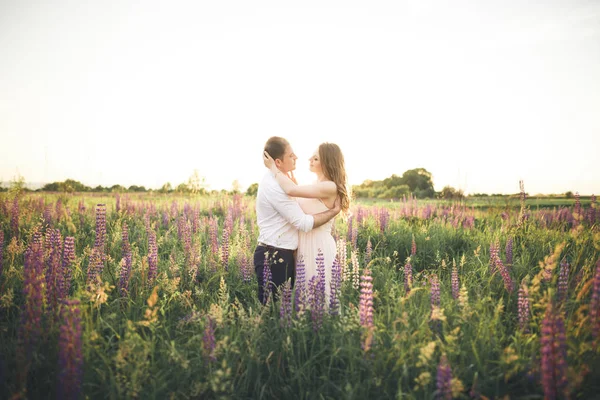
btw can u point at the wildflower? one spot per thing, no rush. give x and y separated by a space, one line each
285 308
317 302
444 379
524 308
366 299
70 355
208 340
68 259
53 269
300 284
368 252
266 282
553 354
563 277
152 257
408 276
336 283
33 304
413 247
435 291
100 241
225 249
455 282
125 274
508 283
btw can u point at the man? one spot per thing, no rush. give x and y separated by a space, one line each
279 219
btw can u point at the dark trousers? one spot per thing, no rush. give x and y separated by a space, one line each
282 265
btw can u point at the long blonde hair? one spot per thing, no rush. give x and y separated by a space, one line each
334 169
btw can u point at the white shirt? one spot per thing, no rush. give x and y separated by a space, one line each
279 216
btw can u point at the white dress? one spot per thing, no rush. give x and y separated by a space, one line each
309 243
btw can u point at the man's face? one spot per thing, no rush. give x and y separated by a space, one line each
289 160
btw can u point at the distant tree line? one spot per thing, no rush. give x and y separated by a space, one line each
417 182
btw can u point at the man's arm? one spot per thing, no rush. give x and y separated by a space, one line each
292 212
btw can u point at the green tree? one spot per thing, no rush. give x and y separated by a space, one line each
166 188
252 190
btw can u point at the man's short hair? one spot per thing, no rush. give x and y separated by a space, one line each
276 146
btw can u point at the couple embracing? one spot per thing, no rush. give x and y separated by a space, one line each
295 221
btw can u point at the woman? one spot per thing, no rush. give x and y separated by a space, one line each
328 164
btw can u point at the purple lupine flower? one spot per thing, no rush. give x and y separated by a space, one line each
413 247
509 252
1 250
33 294
225 249
228 224
444 379
368 252
435 291
285 308
174 209
595 303
408 276
320 261
196 221
384 217
524 308
553 354
365 306
300 284
95 267
455 283
213 229
117 202
152 257
563 277
53 270
508 282
70 354
245 267
560 354
316 298
48 215
100 241
547 355
267 278
335 287
14 218
125 274
180 227
165 219
208 340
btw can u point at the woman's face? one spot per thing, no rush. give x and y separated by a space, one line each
315 163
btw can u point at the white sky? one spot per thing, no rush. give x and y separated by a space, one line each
480 93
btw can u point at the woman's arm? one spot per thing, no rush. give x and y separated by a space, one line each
317 190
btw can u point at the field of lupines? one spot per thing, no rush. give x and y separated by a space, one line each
147 296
